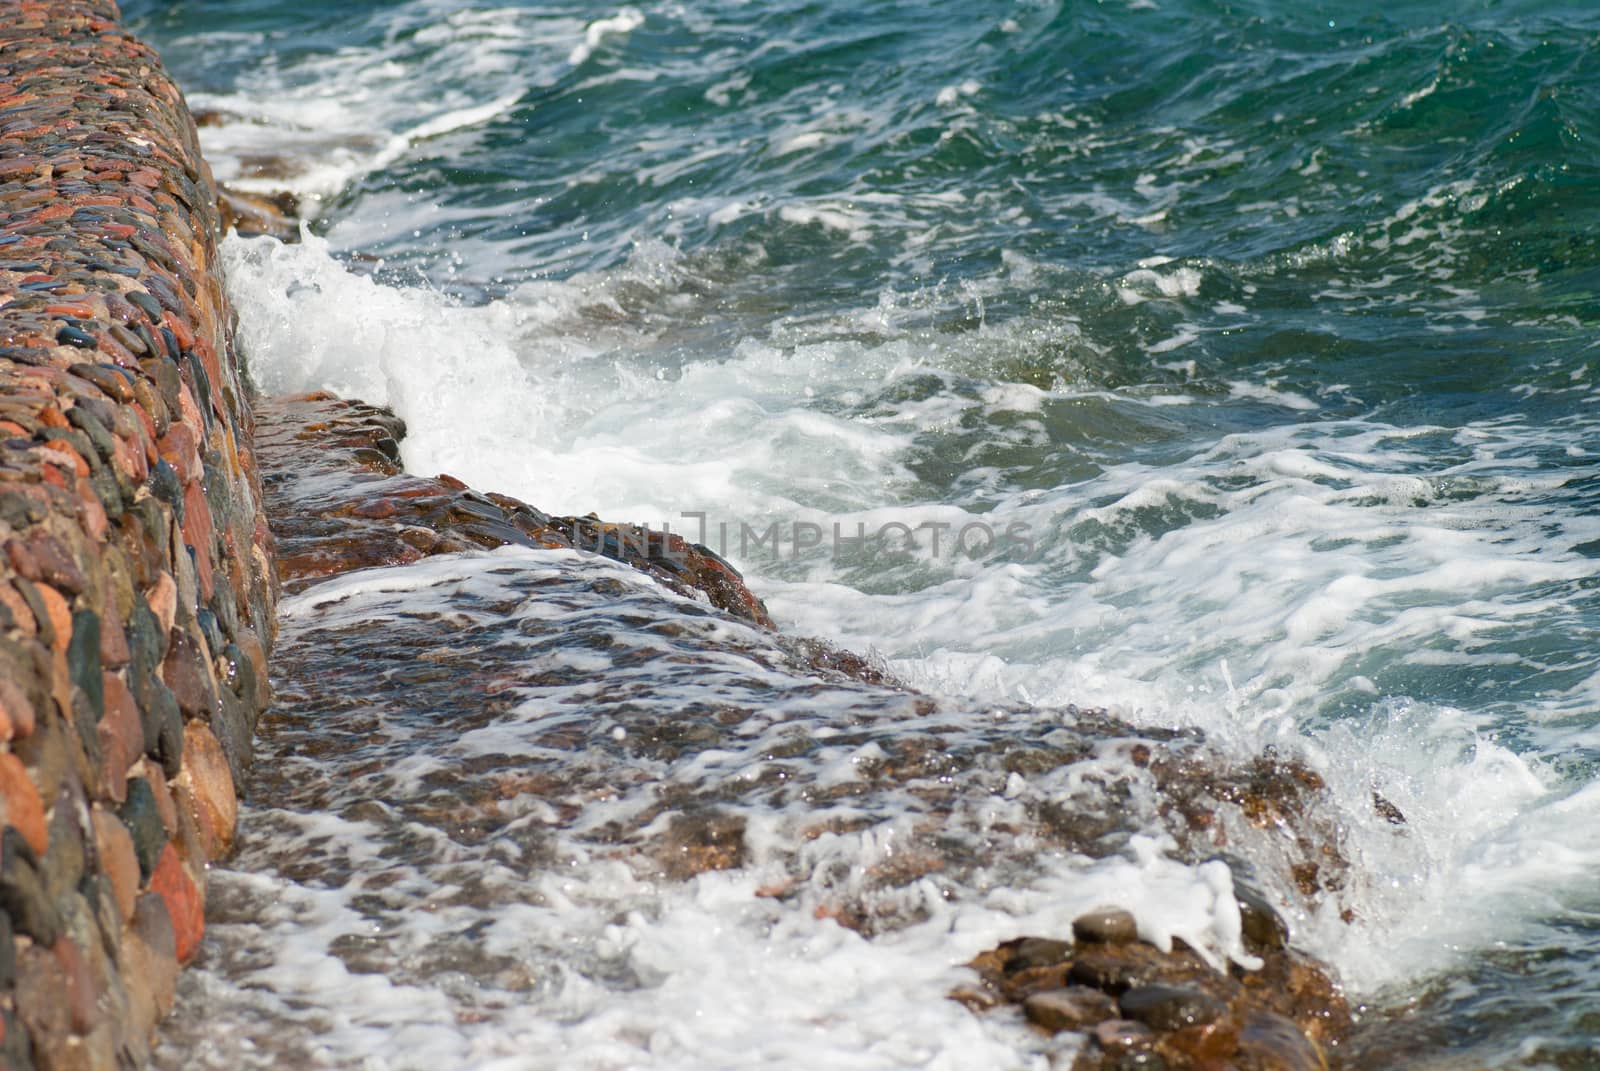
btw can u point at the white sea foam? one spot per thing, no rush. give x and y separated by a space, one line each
622 23
408 349
951 95
1184 282
1289 559
834 216
312 128
723 977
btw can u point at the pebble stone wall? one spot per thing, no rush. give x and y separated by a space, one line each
136 585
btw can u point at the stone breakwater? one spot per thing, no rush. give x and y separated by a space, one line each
136 586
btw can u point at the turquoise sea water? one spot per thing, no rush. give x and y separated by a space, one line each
1267 329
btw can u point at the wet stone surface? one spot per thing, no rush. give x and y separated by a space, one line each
490 732
1137 1006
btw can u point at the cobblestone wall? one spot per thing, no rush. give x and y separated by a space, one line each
136 590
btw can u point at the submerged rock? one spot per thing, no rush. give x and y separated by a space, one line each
1111 926
1170 1009
253 214
372 513
1070 1008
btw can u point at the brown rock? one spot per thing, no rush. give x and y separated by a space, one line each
255 214
255 656
83 989
41 995
701 841
121 735
44 627
24 894
162 599
101 1046
1166 1008
1263 928
55 563
1203 1045
1073 1008
976 998
184 908
1105 926
22 559
208 786
1018 985
59 613
1030 952
20 805
17 716
1108 972
1150 1008
91 919
1272 1043
1292 985
93 1052
187 671
191 850
199 532
323 529
93 512
117 860
52 753
149 964
113 641
165 804
17 607
62 1053
1124 1036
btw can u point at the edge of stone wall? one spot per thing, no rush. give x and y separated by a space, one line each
136 580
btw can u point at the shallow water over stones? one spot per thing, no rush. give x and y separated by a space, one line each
482 766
